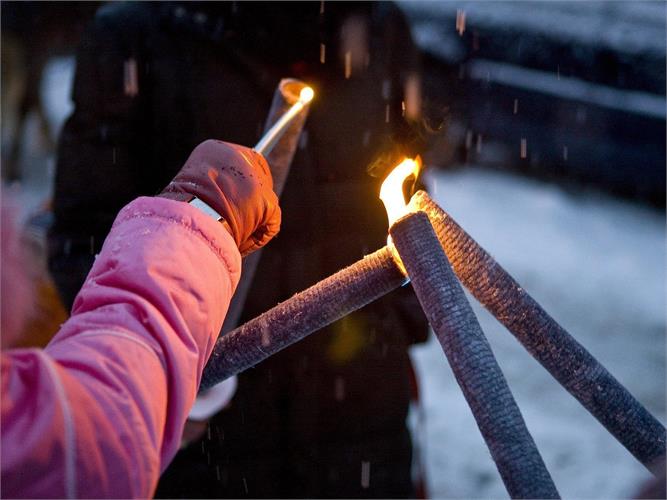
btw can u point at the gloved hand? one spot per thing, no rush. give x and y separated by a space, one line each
236 182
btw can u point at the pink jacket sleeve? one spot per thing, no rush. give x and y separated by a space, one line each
100 411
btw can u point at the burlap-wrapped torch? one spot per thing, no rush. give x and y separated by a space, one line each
309 311
566 359
469 354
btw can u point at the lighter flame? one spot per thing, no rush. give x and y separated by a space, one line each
269 140
306 95
391 192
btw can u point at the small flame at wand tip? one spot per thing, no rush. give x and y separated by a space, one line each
306 95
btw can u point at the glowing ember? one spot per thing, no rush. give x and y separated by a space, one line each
460 21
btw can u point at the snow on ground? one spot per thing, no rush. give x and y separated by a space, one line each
38 164
56 90
598 266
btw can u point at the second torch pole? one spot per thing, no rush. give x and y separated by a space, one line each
473 363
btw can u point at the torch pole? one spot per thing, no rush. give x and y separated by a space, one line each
473 363
282 130
568 361
306 312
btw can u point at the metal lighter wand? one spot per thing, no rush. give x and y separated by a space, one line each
268 140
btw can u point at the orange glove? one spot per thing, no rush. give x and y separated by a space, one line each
235 181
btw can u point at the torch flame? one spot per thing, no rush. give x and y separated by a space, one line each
391 192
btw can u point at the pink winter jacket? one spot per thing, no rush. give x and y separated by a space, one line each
99 412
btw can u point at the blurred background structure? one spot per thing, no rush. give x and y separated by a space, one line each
548 146
566 91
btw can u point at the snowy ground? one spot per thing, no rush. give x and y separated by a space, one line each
598 266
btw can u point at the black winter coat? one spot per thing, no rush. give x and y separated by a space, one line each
155 79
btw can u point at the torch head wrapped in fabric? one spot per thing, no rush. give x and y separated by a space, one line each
235 182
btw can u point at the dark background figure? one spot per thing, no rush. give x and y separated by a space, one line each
33 33
326 417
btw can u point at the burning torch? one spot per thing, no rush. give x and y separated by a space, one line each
469 353
382 272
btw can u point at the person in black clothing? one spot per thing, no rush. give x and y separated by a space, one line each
327 416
